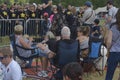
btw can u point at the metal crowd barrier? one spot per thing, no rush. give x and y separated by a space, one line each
31 26
7 26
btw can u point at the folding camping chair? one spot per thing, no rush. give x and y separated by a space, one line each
17 54
66 53
90 61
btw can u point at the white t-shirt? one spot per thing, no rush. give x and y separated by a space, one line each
2 70
13 71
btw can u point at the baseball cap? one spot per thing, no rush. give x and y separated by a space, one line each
45 14
88 3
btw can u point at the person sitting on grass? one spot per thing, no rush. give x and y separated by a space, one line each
12 69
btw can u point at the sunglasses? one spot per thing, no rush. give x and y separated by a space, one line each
1 58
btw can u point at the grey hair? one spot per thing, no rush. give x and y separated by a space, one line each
65 31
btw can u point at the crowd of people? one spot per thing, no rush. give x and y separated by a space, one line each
55 16
64 31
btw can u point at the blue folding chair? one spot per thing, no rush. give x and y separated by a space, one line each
94 53
17 54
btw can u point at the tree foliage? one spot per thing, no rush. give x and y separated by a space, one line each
96 3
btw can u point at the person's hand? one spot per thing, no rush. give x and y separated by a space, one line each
44 6
31 39
41 46
51 54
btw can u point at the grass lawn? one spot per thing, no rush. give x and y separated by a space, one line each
4 41
92 76
96 76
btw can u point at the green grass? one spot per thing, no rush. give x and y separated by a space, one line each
96 76
4 41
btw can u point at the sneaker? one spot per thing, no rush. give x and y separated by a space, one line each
43 74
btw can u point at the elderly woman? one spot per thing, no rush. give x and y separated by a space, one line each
42 50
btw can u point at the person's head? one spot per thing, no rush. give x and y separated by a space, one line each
21 8
96 21
118 18
39 6
54 9
72 71
5 55
83 31
69 7
45 15
5 6
32 8
87 4
110 4
18 29
65 33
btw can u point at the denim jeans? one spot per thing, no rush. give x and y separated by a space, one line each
113 61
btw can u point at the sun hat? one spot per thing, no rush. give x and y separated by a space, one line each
18 28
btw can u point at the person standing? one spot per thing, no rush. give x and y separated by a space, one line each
113 45
4 23
47 6
12 68
88 15
112 10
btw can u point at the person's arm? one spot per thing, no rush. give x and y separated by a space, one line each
49 3
46 50
25 44
109 16
109 39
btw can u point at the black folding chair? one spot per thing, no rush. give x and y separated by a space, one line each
66 53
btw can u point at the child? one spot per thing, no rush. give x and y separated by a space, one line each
96 29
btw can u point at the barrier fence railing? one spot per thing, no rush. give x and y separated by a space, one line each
7 25
31 26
